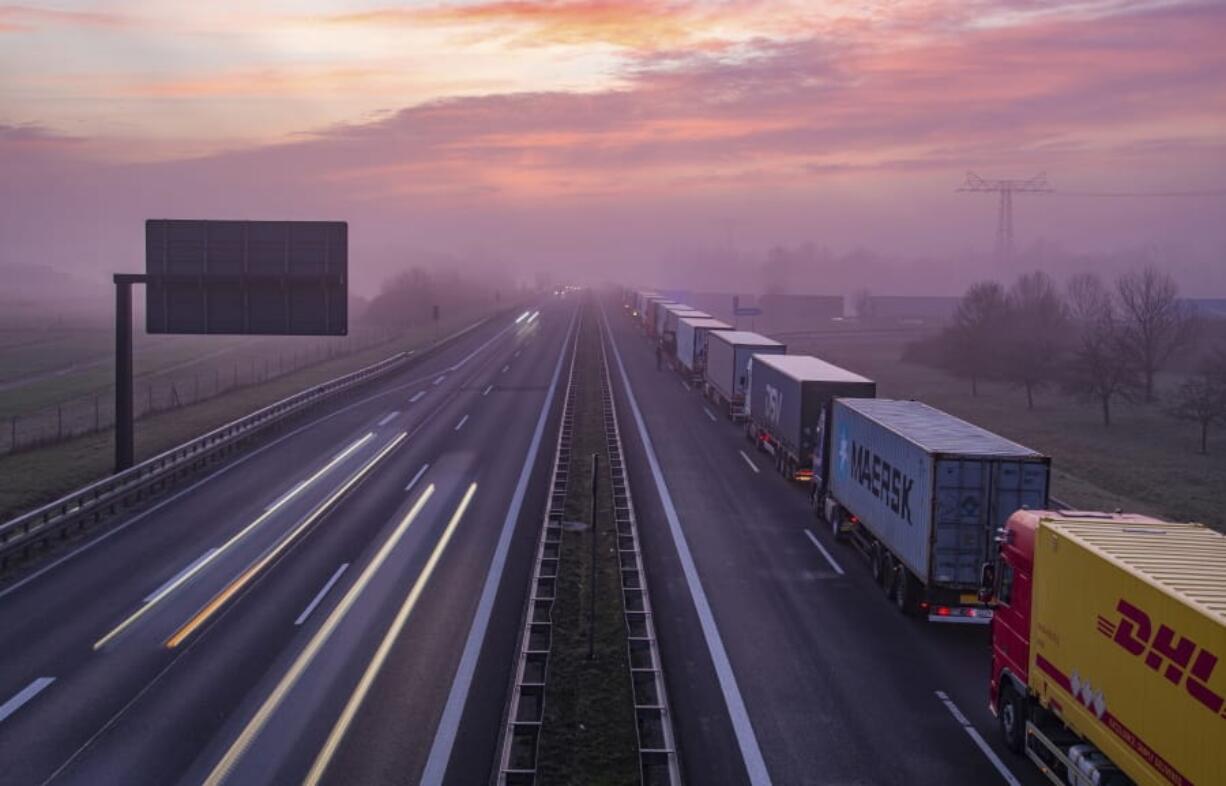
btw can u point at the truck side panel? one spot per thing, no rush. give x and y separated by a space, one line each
1130 667
885 481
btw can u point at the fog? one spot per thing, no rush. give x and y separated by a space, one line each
818 159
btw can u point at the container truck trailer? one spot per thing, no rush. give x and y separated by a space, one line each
727 373
922 494
692 344
668 330
651 313
786 397
1106 643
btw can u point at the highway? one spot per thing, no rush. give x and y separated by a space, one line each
339 605
785 663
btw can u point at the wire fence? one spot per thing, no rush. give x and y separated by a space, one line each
186 384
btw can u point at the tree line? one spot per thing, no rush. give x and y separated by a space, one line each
1100 343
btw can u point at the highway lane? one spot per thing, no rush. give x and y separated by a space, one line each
838 687
165 706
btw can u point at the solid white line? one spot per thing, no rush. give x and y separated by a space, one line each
174 579
388 417
742 727
487 390
440 379
417 396
449 722
307 611
24 695
749 461
829 557
978 738
506 368
460 425
685 384
286 497
417 477
474 353
710 415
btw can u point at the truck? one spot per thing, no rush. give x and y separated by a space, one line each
652 311
668 329
922 493
727 372
784 403
639 308
692 344
1106 642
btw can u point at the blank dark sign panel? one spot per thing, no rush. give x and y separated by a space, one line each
247 277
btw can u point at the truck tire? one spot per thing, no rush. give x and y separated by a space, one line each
1012 717
887 574
836 526
904 589
874 561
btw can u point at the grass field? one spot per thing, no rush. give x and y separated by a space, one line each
1144 463
588 737
33 477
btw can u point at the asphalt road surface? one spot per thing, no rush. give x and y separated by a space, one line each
331 607
785 665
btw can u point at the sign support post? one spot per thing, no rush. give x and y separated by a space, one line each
125 442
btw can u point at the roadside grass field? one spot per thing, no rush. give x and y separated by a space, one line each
1146 462
30 478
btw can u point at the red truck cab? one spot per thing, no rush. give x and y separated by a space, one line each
1009 591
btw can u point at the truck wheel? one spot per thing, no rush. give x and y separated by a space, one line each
887 574
836 526
1012 717
904 589
874 560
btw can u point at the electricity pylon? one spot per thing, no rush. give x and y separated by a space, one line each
1004 217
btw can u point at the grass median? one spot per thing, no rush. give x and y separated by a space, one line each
588 736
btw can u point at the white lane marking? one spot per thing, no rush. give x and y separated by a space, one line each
742 727
474 353
238 462
25 694
324 758
460 425
506 368
487 390
320 596
440 379
685 384
175 579
288 680
517 352
978 738
829 557
388 417
449 722
710 414
136 615
417 477
749 461
417 396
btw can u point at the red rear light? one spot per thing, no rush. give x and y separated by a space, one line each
942 611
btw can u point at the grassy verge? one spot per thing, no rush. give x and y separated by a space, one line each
588 736
35 477
1144 463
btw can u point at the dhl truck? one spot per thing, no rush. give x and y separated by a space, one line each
1108 639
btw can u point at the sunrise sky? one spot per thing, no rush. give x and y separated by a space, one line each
551 130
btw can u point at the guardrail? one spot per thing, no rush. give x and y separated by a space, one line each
109 496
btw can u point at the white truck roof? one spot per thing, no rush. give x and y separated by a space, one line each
745 338
807 367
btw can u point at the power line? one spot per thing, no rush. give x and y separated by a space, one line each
1208 193
1004 215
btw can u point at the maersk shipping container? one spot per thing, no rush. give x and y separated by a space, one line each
932 488
692 341
786 396
728 353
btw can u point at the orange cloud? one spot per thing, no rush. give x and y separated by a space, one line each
15 18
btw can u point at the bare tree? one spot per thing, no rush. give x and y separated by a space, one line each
1202 399
1101 368
1034 343
972 342
1157 324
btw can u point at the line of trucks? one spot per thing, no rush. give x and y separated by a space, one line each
1106 628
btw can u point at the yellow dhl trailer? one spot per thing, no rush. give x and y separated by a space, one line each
1107 642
